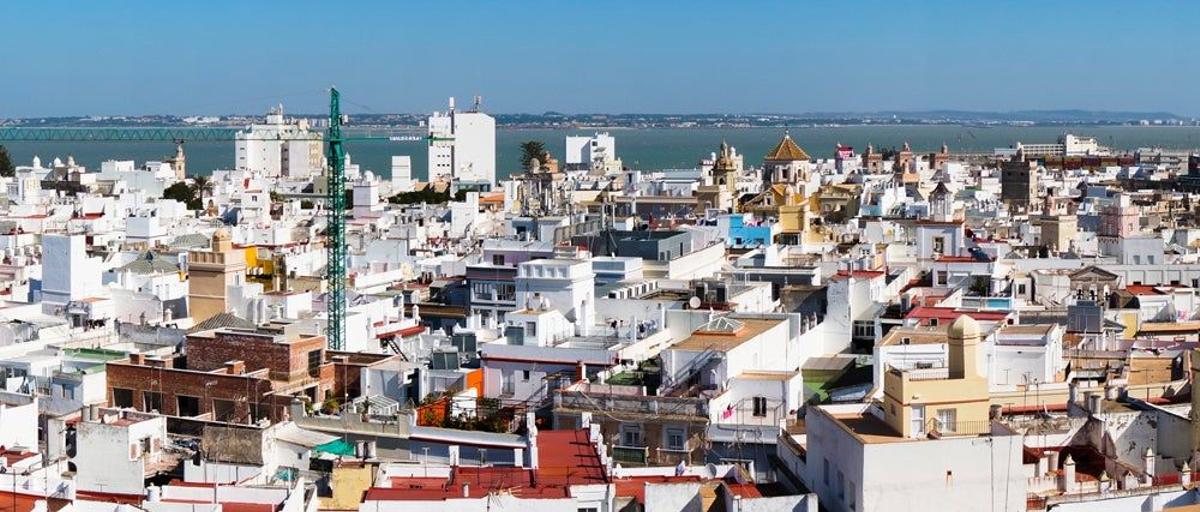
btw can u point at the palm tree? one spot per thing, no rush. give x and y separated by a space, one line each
201 186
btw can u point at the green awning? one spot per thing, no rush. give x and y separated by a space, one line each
336 447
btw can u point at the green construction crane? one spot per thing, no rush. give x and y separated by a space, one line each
335 229
335 195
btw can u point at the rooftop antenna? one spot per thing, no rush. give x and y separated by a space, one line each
478 102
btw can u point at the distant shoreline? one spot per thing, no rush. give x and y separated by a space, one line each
519 126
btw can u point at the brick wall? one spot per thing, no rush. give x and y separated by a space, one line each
285 361
243 392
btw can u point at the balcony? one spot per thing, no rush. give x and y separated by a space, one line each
673 456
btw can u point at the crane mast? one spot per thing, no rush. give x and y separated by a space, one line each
335 229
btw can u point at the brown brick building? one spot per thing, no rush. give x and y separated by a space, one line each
238 375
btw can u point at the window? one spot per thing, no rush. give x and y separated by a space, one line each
939 244
187 405
918 420
224 410
314 361
933 322
675 439
864 329
525 375
946 420
257 411
631 435
943 278
760 406
151 401
531 329
1137 259
1020 289
841 486
497 259
508 384
826 472
122 398
506 292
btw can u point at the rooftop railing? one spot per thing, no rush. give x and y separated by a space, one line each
949 428
653 405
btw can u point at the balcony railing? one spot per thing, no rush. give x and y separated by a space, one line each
941 428
671 457
917 374
630 454
650 405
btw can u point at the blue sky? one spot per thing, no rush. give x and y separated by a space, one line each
214 56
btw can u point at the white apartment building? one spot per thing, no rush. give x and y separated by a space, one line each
462 145
598 151
69 273
566 285
280 147
402 174
855 464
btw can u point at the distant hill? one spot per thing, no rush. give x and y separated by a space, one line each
1069 115
553 119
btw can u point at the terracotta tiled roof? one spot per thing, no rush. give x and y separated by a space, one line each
220 321
786 151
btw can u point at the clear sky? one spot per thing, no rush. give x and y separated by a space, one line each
215 56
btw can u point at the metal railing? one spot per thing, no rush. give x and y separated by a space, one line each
938 427
637 404
631 454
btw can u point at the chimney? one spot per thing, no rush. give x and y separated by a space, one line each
581 371
1185 474
235 367
1072 392
466 491
1094 403
1110 392
1068 475
137 359
1041 465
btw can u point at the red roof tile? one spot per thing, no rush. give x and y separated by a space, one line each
565 458
945 313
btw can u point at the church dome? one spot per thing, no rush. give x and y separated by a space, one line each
787 151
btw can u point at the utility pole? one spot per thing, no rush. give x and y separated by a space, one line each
335 232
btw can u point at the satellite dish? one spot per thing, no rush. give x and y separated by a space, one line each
694 303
